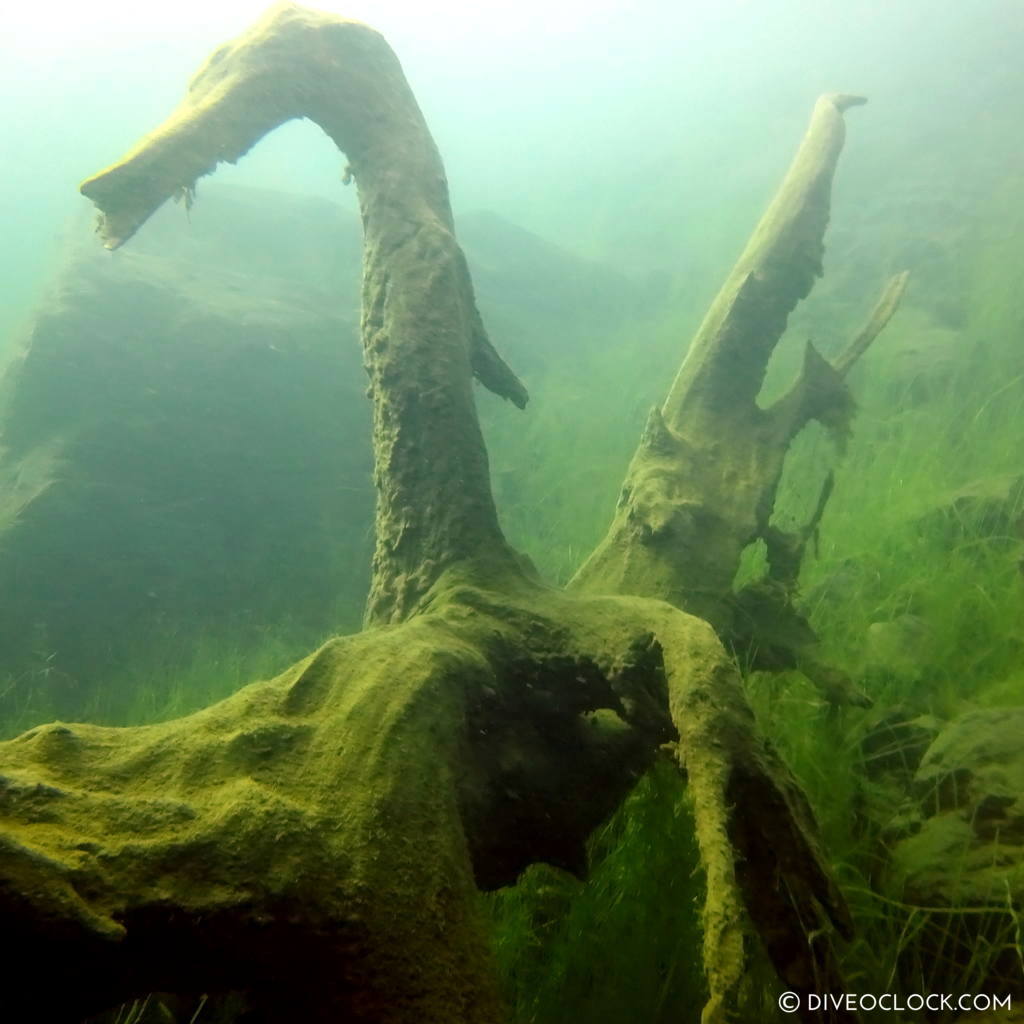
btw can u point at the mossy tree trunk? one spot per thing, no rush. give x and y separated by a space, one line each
314 842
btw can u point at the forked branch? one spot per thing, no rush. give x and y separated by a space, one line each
702 484
700 489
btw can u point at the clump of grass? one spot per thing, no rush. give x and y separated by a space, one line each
154 1009
183 674
626 944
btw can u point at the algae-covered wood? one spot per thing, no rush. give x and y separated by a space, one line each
313 842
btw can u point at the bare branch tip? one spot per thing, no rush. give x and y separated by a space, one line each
843 100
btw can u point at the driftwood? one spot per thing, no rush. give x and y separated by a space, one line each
702 485
314 842
701 488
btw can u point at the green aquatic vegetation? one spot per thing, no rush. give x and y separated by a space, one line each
153 1009
180 678
898 945
624 944
925 523
904 948
134 1012
898 545
556 508
924 532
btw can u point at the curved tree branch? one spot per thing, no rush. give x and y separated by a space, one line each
422 334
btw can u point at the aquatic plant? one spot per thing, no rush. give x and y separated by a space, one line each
316 841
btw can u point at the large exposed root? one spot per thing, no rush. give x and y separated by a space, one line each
323 832
315 840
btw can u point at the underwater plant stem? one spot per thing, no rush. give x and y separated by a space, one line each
423 338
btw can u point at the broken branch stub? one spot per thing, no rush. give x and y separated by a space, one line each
727 360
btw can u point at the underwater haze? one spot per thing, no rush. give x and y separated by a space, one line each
646 134
693 685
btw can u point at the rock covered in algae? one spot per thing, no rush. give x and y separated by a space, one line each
969 849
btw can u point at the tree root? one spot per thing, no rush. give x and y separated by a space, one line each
315 841
324 832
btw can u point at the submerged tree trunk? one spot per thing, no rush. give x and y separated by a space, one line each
700 488
314 841
702 484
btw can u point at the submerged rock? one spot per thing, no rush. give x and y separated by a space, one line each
894 745
959 870
991 508
192 407
969 787
184 437
899 648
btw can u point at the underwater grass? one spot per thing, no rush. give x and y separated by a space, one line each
922 542
921 548
626 945
183 674
152 1009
